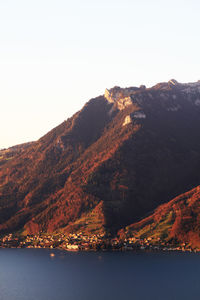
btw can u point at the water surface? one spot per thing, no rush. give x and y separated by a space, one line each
32 274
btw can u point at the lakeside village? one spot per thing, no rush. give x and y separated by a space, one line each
81 242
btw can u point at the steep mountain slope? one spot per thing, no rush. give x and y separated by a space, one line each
109 165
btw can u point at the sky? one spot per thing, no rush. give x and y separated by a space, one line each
55 55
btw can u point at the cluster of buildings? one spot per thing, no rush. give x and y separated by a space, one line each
80 241
156 244
70 242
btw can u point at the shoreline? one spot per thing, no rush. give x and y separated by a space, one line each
136 250
91 243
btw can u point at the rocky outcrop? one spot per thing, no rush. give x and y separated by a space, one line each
120 97
127 120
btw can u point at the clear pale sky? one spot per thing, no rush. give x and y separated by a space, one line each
56 55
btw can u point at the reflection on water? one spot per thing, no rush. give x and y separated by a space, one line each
27 274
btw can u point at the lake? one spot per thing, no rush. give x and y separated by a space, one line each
33 274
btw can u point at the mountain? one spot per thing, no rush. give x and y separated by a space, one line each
110 165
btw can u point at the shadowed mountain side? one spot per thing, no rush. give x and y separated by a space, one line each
158 162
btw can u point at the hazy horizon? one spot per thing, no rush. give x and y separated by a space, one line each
55 56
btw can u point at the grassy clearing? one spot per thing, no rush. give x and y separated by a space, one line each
157 230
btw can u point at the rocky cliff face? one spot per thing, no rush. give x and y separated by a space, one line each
109 165
119 97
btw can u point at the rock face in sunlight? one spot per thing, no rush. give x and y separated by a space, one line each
127 120
120 97
116 160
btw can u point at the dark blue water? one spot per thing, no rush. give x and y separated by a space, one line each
30 274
